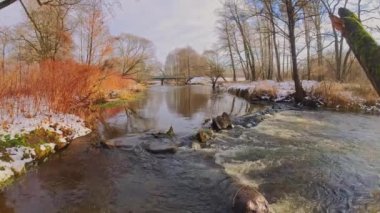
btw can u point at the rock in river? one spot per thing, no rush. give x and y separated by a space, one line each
159 147
204 135
126 142
221 122
248 200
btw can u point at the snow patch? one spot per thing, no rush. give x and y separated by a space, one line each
17 122
283 89
200 81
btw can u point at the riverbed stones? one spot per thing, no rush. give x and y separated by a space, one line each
221 122
128 143
160 147
204 135
249 200
196 145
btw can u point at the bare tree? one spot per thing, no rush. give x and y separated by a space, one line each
5 39
214 66
183 62
240 19
269 11
226 29
46 34
6 3
92 32
133 53
293 9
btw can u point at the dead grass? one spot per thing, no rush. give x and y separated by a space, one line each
347 96
264 89
60 86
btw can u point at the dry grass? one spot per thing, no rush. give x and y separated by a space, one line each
347 96
60 86
264 89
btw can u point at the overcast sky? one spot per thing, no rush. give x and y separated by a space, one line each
168 23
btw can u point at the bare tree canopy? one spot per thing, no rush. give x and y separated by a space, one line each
6 3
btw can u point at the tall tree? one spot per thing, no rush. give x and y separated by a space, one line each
293 9
133 53
214 66
365 48
92 32
183 62
225 28
269 12
240 19
47 35
5 39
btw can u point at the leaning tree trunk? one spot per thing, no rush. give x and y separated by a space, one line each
364 47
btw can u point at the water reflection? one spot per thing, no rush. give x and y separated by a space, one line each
183 107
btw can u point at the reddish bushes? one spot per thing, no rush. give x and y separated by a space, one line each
63 86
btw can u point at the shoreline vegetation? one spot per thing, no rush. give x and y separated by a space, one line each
29 135
324 95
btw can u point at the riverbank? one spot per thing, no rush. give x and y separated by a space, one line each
29 136
328 95
27 139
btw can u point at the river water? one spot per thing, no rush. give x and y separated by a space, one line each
301 161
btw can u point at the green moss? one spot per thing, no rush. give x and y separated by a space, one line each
345 13
6 182
42 153
40 136
7 142
362 43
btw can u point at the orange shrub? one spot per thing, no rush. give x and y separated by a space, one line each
54 85
64 86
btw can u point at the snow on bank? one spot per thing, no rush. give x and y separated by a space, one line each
280 90
13 160
50 121
200 81
333 95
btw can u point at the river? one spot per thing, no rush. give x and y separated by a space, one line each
302 161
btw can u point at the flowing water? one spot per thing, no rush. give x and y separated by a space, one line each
309 161
87 179
301 161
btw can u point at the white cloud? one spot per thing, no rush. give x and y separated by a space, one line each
169 23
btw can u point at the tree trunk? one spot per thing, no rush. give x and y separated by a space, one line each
230 51
243 67
300 93
274 36
364 47
307 41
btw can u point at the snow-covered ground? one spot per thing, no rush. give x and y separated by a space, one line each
282 90
12 123
200 81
